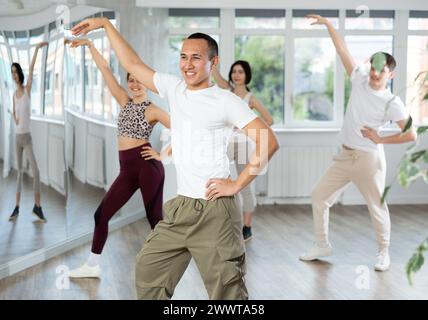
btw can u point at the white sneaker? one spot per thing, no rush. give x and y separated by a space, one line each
382 261
316 252
85 271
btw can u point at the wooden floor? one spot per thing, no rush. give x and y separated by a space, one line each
281 233
26 234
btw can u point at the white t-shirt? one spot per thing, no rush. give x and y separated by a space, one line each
368 107
23 113
201 124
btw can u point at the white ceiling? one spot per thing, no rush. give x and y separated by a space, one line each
23 7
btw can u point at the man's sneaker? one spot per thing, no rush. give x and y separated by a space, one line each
316 252
37 211
246 232
85 271
382 261
14 214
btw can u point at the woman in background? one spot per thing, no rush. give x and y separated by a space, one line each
239 146
136 120
22 118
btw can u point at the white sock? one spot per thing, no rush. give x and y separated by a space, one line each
93 259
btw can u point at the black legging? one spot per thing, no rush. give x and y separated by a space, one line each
135 173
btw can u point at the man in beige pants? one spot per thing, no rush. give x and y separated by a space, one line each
362 159
203 222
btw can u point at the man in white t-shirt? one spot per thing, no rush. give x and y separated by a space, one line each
203 221
362 159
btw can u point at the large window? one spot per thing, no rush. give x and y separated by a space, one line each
37 36
314 65
59 71
111 107
98 101
297 73
263 19
265 55
93 82
418 20
260 40
364 19
194 18
301 22
417 68
5 77
73 78
50 77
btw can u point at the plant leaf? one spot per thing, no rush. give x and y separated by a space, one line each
379 61
423 246
410 266
425 157
422 129
402 178
415 156
414 173
413 265
408 125
385 192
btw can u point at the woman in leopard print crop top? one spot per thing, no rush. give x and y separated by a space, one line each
136 120
132 121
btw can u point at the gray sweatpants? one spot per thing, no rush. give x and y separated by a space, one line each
24 143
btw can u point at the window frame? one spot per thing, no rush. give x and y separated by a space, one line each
227 33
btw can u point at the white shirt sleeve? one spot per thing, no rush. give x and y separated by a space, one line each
359 74
237 111
165 83
396 110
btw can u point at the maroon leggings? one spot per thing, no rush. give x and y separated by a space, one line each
135 173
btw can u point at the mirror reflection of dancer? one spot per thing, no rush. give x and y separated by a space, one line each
203 221
239 145
136 120
362 160
22 118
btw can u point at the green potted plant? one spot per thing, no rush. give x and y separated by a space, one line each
411 168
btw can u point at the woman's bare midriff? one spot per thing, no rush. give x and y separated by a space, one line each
126 143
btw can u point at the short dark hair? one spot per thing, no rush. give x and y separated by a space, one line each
19 71
212 44
247 70
390 61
